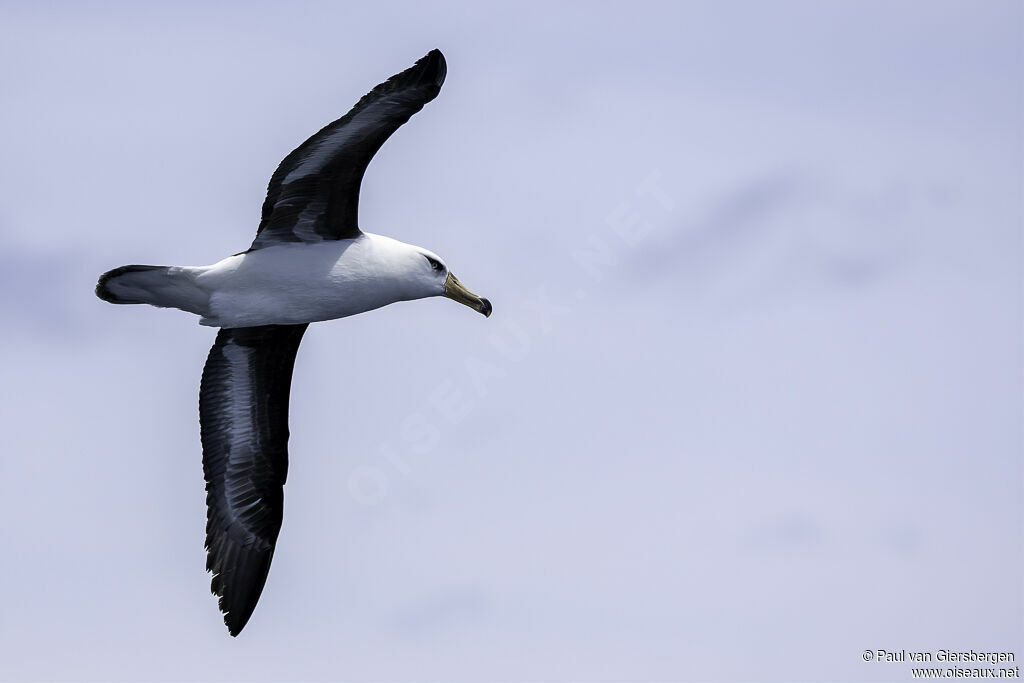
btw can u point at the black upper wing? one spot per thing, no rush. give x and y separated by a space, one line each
243 413
314 194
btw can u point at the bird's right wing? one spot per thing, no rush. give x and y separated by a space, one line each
243 413
314 193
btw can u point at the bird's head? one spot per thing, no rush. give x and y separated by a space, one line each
434 273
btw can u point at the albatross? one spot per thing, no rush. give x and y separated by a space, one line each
309 262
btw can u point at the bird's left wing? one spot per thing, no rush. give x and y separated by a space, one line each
314 193
243 413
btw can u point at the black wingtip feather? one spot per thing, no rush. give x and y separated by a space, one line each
428 72
436 64
238 589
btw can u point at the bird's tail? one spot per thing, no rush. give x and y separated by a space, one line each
163 286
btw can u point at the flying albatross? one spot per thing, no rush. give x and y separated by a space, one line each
309 262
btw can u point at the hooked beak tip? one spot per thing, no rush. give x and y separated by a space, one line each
455 290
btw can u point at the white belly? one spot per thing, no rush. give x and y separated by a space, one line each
302 283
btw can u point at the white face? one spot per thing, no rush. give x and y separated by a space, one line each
433 272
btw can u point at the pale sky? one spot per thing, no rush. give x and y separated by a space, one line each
749 404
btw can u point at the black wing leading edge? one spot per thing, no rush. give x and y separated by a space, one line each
243 414
314 194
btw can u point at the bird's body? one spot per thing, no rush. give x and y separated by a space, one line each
309 262
291 283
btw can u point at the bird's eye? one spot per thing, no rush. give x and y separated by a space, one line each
435 264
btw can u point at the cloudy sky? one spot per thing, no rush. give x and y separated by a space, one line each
750 402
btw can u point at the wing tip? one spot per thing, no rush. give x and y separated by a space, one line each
239 576
235 617
235 625
434 67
